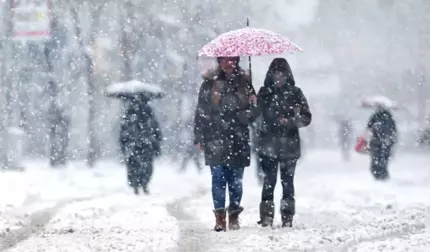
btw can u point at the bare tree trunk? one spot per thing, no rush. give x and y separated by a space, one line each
127 73
421 99
6 85
128 45
93 151
93 147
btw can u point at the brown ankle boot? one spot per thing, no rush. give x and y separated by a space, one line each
220 221
233 218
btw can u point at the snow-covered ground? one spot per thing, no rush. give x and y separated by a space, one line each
339 208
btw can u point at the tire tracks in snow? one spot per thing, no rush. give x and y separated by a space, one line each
193 235
37 221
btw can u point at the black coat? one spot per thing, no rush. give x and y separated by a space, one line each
222 128
276 138
383 128
140 134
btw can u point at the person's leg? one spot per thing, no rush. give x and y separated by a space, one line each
219 184
269 167
234 176
287 170
376 163
133 173
147 167
384 159
270 170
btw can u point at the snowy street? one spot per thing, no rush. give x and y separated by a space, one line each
107 106
339 208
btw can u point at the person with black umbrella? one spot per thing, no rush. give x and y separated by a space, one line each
140 140
140 135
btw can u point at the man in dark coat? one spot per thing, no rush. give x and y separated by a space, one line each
222 117
384 136
140 140
284 109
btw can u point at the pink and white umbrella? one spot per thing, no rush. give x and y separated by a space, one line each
248 42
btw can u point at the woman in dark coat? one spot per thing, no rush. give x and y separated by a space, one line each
383 137
140 140
221 122
284 110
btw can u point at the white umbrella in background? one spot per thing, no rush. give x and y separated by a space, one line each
379 101
130 89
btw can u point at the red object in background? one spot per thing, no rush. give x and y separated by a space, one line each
361 146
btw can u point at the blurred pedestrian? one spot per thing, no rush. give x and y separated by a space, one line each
345 138
140 140
383 129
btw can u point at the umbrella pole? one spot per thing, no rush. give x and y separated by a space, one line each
249 57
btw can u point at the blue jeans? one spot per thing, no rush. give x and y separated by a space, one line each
223 176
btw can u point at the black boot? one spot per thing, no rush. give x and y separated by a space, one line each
288 209
267 211
220 220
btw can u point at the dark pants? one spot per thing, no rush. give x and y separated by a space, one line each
379 164
221 177
139 170
270 168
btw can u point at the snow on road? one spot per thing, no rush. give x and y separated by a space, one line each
79 209
339 208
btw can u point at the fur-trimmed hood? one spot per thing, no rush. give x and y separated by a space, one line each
213 74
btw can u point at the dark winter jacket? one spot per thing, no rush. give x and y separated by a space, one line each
383 128
140 132
222 117
278 139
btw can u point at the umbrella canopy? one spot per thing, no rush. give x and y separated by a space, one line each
378 101
248 42
130 89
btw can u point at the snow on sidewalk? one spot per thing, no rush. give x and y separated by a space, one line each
94 210
339 208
